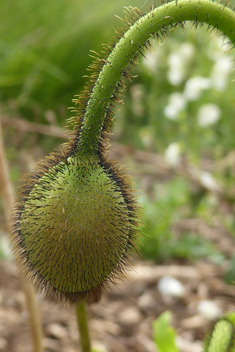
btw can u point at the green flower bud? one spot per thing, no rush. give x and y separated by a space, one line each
74 227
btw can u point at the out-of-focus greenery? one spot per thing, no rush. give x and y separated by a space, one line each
44 48
172 202
218 338
181 105
163 104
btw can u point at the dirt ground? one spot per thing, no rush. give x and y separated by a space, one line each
122 320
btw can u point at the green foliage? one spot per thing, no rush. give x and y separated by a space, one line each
164 334
202 56
43 54
171 202
220 338
159 215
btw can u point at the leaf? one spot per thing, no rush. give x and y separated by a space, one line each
164 334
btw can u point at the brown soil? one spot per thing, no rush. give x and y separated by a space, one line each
122 320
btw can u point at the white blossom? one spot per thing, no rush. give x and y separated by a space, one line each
220 72
168 285
150 60
194 87
187 50
175 105
217 47
175 73
208 181
208 114
173 154
177 62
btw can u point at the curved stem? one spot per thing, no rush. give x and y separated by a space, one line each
212 13
81 315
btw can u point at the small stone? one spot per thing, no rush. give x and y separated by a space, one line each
168 285
98 346
146 301
130 316
3 344
209 309
57 331
50 344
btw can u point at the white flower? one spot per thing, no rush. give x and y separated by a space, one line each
220 72
173 154
168 285
216 47
187 50
175 106
176 72
150 60
178 61
208 181
194 86
209 309
208 114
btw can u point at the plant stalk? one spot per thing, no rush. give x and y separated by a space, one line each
169 15
6 190
81 315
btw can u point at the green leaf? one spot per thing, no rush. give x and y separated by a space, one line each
164 334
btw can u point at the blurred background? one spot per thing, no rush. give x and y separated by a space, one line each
174 132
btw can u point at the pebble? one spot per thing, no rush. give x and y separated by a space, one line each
99 346
50 344
209 309
170 286
57 331
146 301
3 344
130 316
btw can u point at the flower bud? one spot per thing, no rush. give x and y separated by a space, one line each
74 226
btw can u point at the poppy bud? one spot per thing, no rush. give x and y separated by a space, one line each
74 223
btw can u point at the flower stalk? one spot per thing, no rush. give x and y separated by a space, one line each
133 42
81 315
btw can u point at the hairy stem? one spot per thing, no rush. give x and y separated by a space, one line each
216 15
7 196
81 315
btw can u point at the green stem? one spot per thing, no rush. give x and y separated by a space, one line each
83 326
206 11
